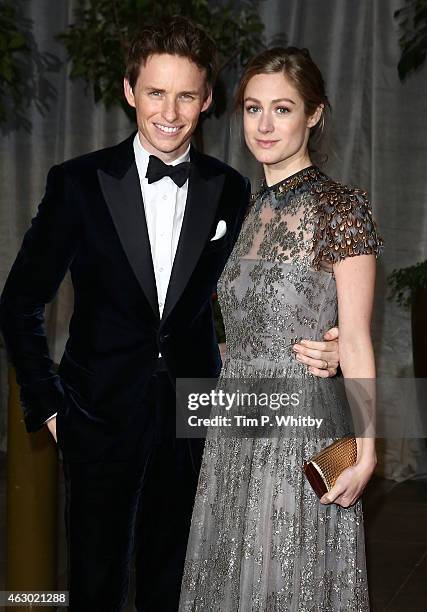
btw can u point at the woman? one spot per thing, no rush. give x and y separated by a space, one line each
260 538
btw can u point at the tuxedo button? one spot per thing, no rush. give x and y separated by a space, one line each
164 337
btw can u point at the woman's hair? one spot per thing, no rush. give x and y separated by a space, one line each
174 36
297 65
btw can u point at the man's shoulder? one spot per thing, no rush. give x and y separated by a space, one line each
122 153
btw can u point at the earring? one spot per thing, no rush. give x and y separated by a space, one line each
322 123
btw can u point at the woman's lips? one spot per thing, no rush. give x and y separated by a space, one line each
266 144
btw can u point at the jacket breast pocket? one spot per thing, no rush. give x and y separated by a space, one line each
216 245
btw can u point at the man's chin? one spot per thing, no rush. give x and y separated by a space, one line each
169 147
157 145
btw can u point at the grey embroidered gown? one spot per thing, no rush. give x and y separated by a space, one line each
260 540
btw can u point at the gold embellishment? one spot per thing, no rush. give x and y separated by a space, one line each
344 225
306 176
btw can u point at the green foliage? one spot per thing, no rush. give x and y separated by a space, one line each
12 41
407 282
413 40
98 40
23 69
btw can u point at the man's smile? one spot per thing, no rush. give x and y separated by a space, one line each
165 129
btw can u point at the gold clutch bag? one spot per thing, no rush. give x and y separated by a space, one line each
324 467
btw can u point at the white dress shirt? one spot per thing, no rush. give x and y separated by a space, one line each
164 205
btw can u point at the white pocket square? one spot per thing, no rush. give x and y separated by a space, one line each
221 228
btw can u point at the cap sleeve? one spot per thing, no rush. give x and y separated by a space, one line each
344 225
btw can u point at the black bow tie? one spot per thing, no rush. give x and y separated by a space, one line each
157 169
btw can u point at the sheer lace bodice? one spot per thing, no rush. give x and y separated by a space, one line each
278 286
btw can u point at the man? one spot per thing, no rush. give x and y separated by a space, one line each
136 224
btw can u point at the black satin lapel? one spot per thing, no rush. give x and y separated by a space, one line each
124 200
202 202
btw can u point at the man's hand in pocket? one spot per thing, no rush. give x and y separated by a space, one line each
51 424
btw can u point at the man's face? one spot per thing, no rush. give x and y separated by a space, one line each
169 96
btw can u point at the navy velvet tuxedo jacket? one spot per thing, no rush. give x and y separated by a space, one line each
92 222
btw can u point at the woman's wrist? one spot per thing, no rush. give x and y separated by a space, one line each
367 460
366 451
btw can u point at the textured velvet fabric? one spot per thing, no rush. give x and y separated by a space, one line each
91 220
143 502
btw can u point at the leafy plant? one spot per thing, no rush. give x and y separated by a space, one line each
406 283
98 40
413 40
22 68
12 41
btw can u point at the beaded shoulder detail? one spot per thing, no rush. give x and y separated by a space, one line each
344 225
281 193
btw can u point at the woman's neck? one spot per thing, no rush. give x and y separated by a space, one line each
275 173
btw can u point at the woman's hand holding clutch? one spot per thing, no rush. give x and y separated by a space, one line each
350 483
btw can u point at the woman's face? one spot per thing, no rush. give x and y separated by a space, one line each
274 120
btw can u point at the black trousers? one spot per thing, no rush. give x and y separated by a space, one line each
138 507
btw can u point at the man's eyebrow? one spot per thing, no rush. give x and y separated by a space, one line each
152 88
181 93
273 101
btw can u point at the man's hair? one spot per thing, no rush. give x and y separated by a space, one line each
174 36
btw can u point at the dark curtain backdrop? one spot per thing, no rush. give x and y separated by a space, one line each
378 141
